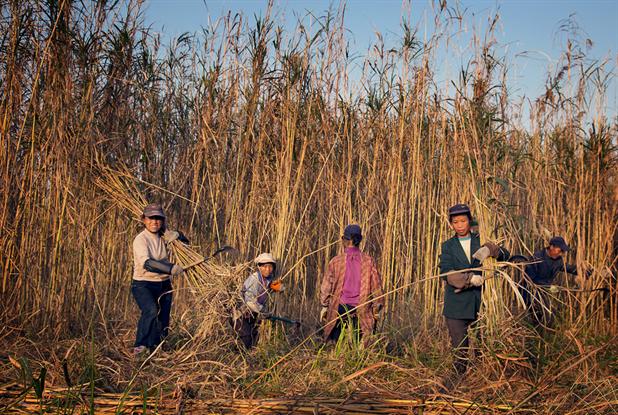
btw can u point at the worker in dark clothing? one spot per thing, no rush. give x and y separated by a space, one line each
462 290
540 274
549 262
537 290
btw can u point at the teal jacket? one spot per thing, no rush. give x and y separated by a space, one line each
465 304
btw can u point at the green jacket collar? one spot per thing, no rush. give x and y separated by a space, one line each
458 252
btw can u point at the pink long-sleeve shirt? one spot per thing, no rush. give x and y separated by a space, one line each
350 293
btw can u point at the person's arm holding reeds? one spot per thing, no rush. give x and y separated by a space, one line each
162 266
326 290
490 249
376 291
459 280
572 269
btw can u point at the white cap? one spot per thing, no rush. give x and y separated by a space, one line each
265 258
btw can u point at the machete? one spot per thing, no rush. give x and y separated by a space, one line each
284 320
224 248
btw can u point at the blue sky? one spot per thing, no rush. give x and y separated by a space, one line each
527 30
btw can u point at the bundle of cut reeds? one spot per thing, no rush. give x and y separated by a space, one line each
214 286
15 400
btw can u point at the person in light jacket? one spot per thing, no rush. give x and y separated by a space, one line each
255 293
151 286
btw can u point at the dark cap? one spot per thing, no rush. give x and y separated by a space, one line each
460 209
352 230
559 242
153 209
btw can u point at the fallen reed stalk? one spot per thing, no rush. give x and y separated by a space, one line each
164 404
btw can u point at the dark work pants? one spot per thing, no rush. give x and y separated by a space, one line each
458 331
247 329
350 319
155 301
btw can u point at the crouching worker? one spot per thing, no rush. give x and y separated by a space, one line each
255 294
462 292
151 286
350 281
540 274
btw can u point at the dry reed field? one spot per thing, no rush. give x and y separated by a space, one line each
259 138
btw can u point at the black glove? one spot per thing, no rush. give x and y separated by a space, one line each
182 238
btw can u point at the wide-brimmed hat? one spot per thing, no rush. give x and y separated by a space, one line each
153 209
559 242
265 258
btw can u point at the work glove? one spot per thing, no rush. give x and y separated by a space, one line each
176 270
482 254
171 236
377 312
277 286
489 249
464 280
476 280
323 312
459 280
494 250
